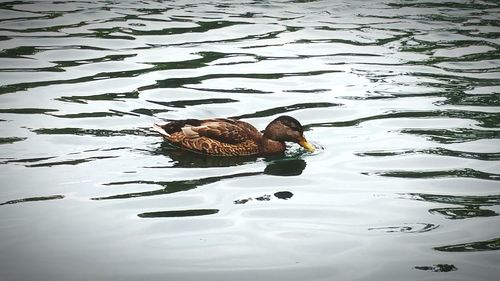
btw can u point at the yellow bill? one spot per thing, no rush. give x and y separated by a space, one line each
307 145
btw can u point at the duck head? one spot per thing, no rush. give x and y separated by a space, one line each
286 128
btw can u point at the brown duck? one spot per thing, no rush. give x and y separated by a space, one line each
230 137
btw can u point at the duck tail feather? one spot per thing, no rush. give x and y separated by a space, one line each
159 129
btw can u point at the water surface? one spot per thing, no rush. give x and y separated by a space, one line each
401 98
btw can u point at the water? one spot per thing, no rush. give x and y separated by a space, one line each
401 98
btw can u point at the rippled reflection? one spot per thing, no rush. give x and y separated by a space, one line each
407 228
471 206
463 213
32 199
180 213
458 135
10 140
93 132
290 167
488 245
437 267
462 173
167 187
401 97
284 195
435 151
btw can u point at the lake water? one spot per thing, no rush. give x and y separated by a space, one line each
401 99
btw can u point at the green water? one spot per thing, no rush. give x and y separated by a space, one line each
400 98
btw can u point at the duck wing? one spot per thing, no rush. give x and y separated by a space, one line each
223 130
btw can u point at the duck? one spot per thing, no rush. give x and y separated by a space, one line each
232 137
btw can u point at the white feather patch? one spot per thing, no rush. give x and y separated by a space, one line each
190 132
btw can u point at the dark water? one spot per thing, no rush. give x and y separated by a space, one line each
401 98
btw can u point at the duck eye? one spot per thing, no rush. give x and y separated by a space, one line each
295 127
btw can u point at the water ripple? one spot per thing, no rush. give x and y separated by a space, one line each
470 206
487 245
407 228
434 151
461 173
32 199
178 213
400 98
437 267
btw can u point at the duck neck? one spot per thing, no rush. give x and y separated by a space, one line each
269 146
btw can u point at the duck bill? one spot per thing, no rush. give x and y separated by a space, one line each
307 145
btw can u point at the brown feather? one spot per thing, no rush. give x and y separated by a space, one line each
214 147
224 132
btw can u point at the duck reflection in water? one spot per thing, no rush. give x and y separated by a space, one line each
279 165
276 166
